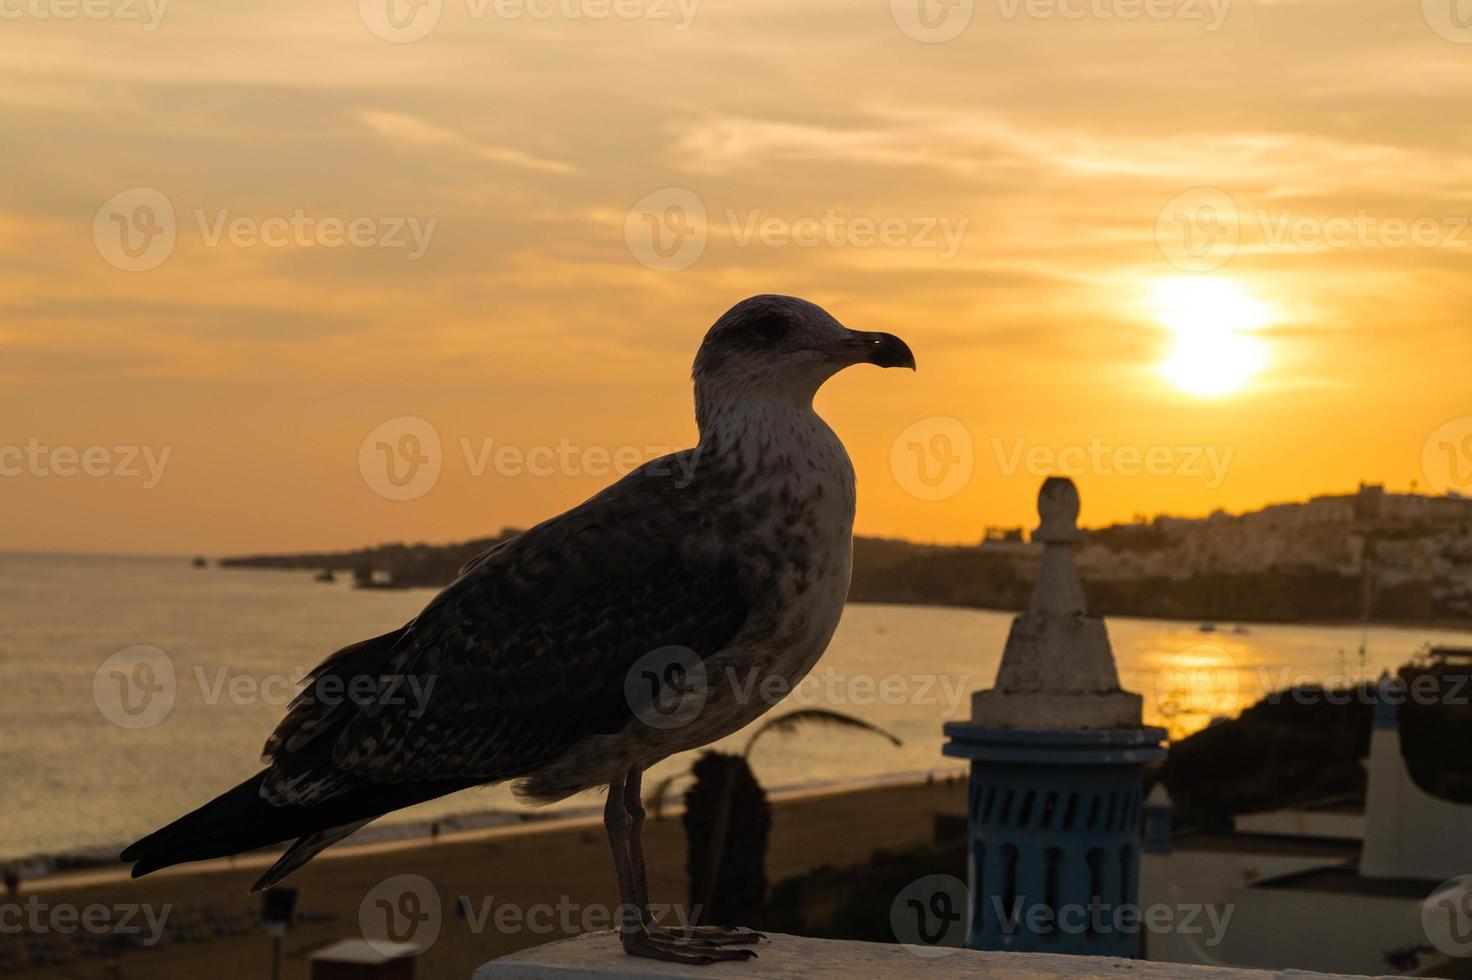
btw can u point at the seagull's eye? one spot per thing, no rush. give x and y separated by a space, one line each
770 327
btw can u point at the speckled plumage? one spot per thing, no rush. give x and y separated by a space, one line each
738 550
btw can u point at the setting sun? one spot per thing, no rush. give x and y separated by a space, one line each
1212 319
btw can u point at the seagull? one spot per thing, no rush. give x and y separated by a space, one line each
654 618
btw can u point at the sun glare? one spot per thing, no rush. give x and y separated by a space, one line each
1214 351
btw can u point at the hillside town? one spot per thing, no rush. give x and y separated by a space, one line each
1409 551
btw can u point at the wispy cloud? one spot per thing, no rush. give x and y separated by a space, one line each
977 144
411 131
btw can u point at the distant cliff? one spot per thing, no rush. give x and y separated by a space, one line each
990 576
397 565
1001 577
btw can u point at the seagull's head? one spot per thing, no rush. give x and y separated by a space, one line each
782 346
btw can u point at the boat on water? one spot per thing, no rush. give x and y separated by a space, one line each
1240 630
375 578
379 584
325 575
1207 627
200 562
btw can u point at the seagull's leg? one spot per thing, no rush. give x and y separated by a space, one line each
634 807
700 935
633 933
616 821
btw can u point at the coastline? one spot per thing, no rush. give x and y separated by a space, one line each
306 563
1445 623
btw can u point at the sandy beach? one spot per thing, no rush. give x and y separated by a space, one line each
542 879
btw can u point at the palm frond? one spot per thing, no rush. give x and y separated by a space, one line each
793 720
655 798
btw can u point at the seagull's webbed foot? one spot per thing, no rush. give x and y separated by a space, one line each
714 935
665 946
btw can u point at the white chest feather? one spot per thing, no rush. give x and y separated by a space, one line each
798 488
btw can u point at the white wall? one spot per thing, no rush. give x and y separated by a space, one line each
1304 823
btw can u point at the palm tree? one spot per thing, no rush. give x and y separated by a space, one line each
733 855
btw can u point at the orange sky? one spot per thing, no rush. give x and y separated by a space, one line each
1064 154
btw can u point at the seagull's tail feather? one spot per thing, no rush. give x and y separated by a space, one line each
235 821
241 820
303 851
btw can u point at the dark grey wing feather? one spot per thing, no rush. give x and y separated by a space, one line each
478 559
527 651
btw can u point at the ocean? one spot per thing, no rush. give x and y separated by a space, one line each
83 768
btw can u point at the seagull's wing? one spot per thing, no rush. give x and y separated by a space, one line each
478 559
527 652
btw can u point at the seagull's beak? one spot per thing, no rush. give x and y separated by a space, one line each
883 349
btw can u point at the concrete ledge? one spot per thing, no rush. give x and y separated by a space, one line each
598 955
